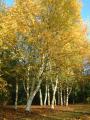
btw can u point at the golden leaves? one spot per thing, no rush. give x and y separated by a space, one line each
55 24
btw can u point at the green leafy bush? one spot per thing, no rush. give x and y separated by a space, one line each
88 99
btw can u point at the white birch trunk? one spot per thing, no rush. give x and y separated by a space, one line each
27 83
40 95
55 102
16 97
31 97
54 92
67 96
61 96
58 96
45 100
48 95
27 88
64 98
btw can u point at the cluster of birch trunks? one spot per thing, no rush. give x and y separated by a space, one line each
52 95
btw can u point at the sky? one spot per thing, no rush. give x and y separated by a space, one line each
9 2
85 8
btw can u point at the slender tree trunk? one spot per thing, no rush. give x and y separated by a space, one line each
32 87
61 96
27 88
45 100
16 97
73 97
58 96
48 95
67 96
40 94
64 98
55 101
54 92
27 83
31 97
29 102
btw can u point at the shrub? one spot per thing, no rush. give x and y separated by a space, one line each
4 93
88 99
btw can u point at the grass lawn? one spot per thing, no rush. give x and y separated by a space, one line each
72 112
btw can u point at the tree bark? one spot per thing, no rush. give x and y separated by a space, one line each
32 95
67 96
27 88
48 95
54 92
64 98
58 96
55 101
29 102
40 95
45 100
61 96
16 97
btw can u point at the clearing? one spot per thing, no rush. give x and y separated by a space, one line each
72 112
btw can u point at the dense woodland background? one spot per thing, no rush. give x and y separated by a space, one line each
44 54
